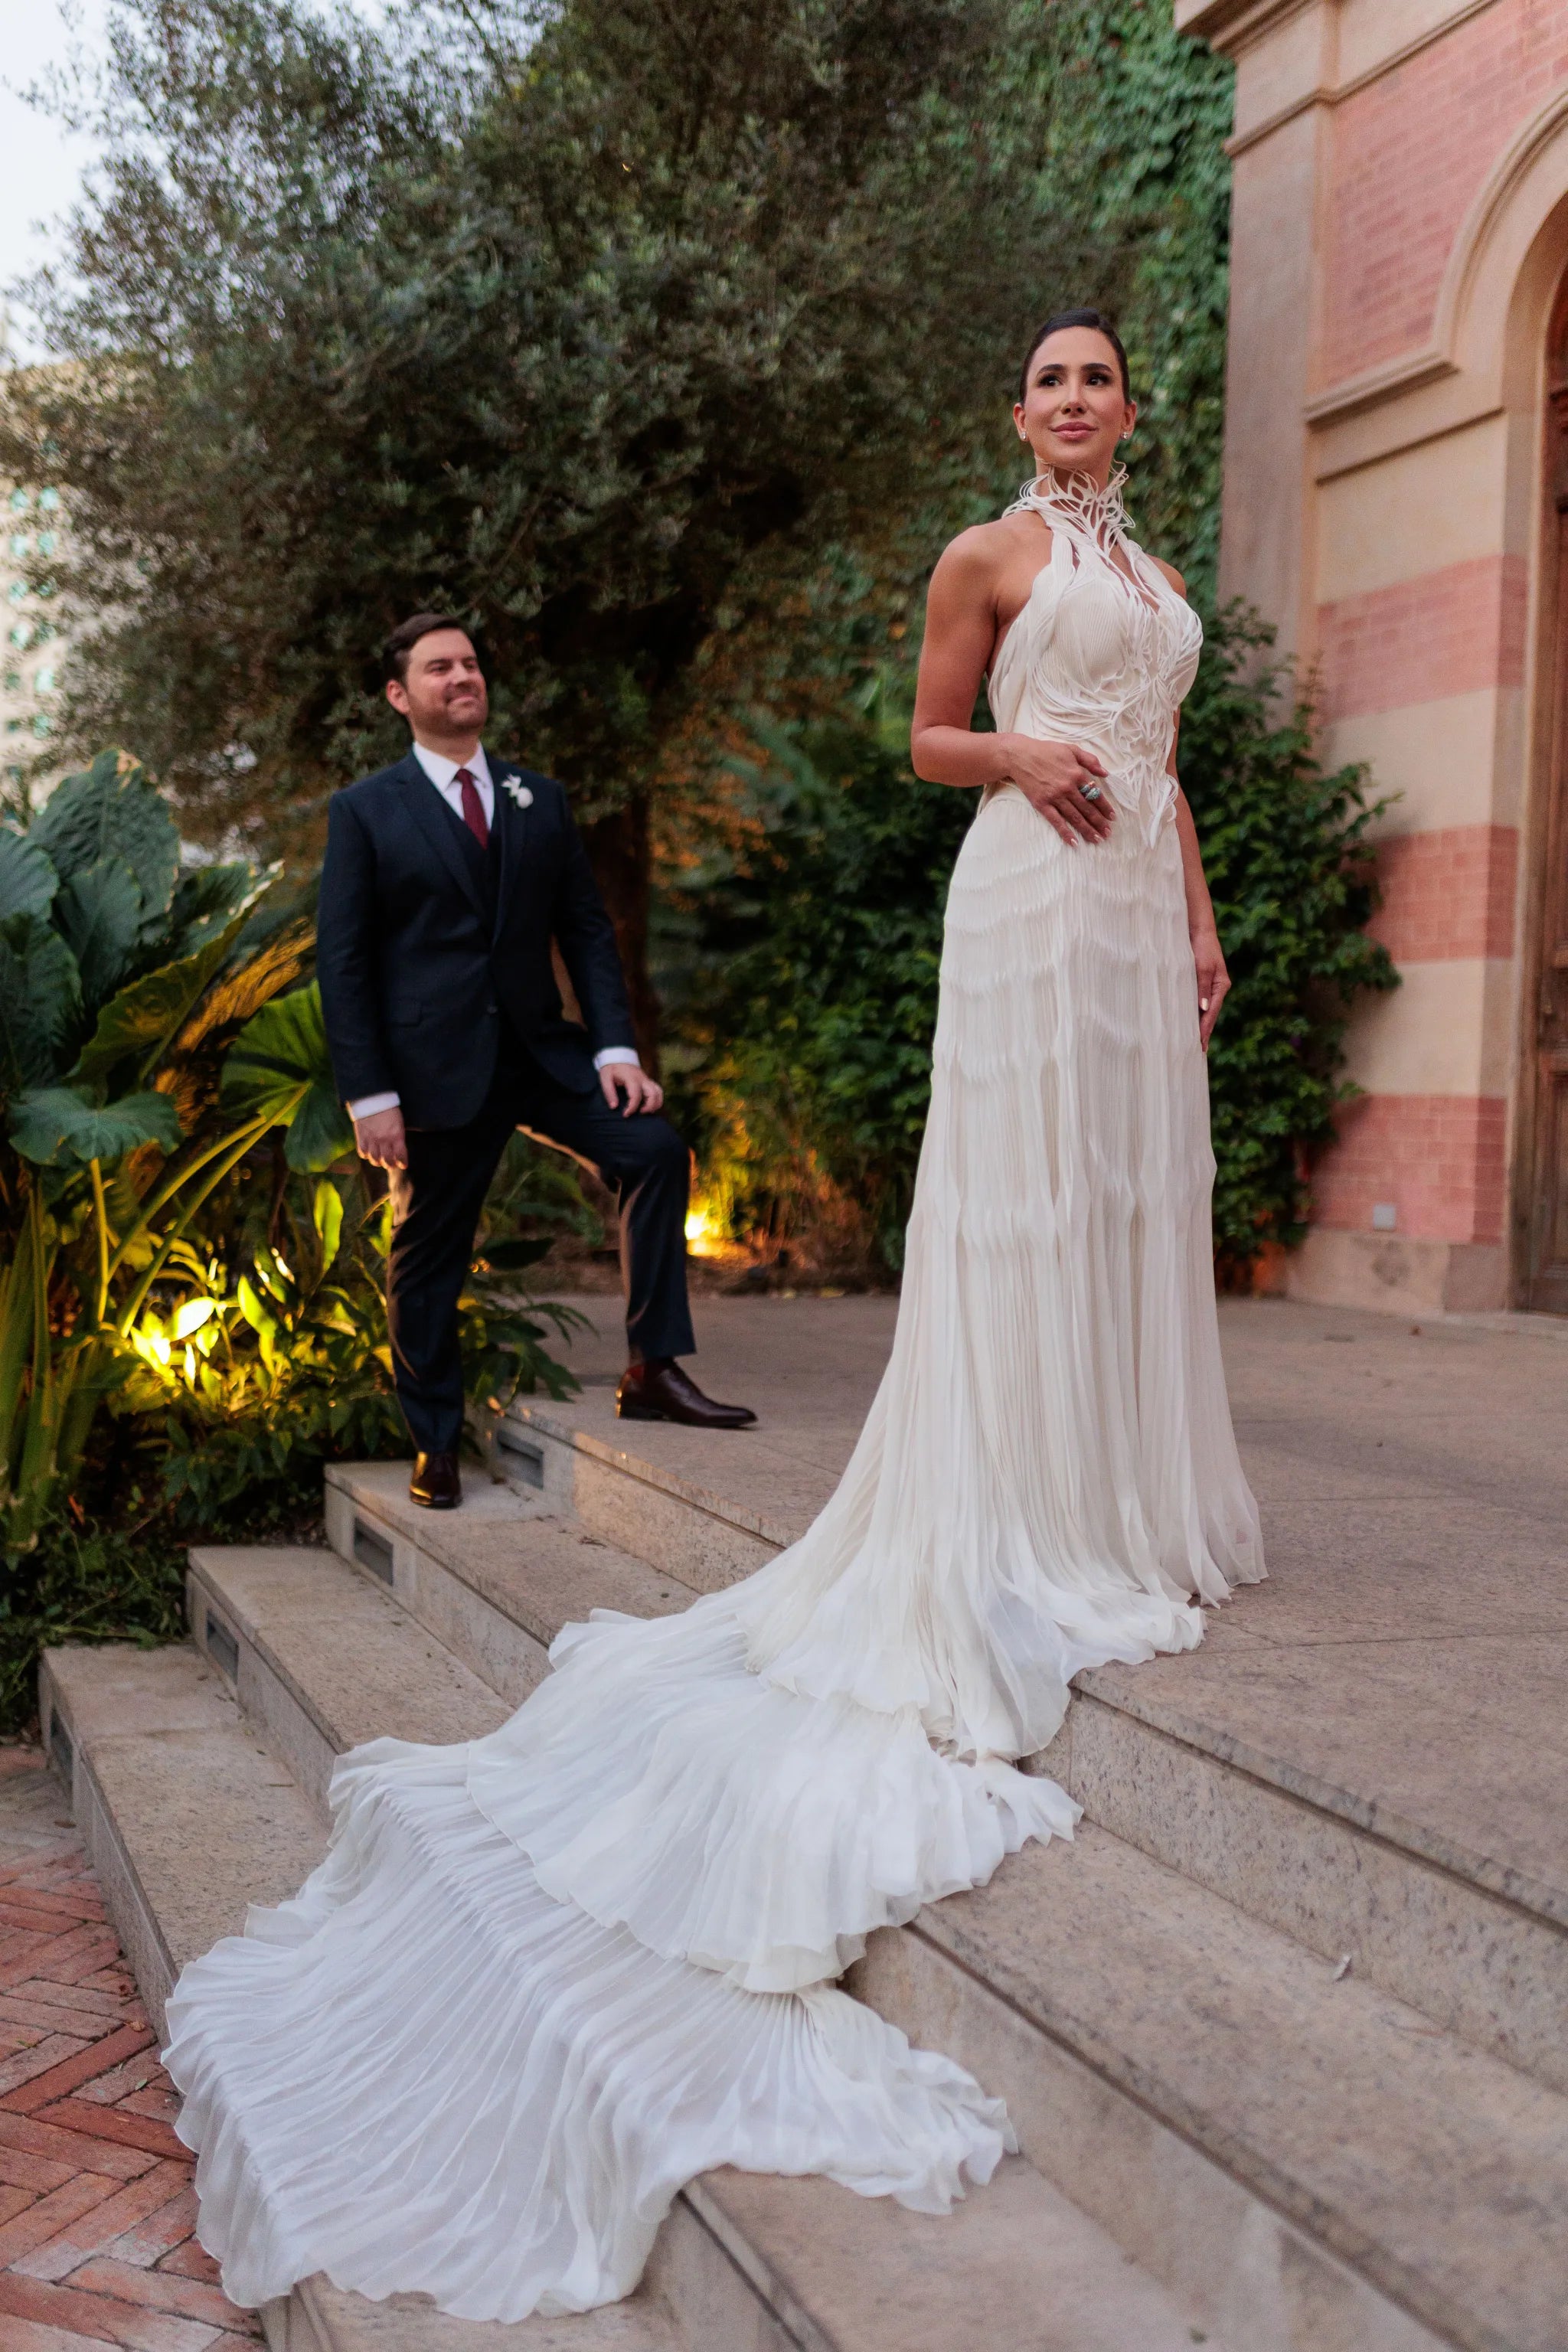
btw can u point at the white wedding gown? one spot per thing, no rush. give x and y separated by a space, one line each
541 1981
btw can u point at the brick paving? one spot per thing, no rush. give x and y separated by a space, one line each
97 2209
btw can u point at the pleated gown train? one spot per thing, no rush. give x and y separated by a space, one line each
541 1980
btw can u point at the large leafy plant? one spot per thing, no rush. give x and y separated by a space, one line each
264 1354
124 973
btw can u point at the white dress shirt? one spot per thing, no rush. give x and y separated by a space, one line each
443 774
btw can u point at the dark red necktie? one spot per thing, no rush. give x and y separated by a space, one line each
473 809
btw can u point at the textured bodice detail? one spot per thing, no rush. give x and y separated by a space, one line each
1099 655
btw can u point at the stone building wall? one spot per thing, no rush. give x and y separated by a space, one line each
1401 236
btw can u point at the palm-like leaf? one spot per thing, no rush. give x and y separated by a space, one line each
143 1019
279 1065
56 1128
204 900
99 912
27 879
111 809
40 1003
236 995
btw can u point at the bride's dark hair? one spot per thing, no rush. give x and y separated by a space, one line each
1080 318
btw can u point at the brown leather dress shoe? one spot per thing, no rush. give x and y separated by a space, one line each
436 1483
662 1391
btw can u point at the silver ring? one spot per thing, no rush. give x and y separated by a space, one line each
1090 791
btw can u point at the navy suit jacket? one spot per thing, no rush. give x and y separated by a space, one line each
425 941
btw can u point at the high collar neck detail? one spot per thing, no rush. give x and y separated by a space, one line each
1077 500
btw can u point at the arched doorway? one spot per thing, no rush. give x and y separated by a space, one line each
1542 1218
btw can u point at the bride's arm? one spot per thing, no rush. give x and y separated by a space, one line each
961 631
1208 956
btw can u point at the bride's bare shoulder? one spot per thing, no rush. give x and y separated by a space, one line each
982 556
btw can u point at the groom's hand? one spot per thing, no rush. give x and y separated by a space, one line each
381 1139
642 1093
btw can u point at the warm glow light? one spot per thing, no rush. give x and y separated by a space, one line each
702 1234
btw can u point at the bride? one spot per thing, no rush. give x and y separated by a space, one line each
542 1980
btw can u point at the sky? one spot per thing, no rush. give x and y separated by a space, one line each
40 165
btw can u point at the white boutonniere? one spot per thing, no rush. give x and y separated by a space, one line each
520 792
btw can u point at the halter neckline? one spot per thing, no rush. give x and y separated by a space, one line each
1098 513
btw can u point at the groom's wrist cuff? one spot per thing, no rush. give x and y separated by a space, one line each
368 1104
616 1054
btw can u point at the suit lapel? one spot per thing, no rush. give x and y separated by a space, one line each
425 807
512 822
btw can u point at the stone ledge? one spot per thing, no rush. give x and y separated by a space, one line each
1135 2018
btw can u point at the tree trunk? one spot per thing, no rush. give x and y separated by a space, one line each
620 852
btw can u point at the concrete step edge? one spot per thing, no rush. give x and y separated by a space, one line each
687 1530
1529 1893
294 1633
1198 2199
1490 1970
495 1580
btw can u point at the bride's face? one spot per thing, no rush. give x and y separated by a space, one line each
1075 412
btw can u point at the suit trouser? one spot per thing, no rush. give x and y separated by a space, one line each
435 1204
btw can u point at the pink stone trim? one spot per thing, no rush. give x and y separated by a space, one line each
1447 632
1447 893
1440 1160
1411 153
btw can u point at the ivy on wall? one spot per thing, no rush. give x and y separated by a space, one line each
1119 124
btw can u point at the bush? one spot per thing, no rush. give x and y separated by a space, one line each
803 1040
802 1056
123 977
86 1582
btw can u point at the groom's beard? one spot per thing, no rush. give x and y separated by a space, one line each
461 713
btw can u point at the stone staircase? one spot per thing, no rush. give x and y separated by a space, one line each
1228 2135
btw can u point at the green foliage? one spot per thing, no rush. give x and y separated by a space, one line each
55 1127
1285 849
279 1067
272 1357
28 880
118 986
561 336
1120 122
87 1581
806 1033
109 822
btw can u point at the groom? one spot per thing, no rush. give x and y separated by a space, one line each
447 878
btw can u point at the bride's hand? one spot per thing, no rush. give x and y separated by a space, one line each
1214 981
1052 777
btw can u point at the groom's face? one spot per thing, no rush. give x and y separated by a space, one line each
444 691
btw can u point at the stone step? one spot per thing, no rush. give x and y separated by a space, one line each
320 1660
1205 2065
1150 1752
494 1580
675 1514
1312 2161
187 1818
1479 1948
